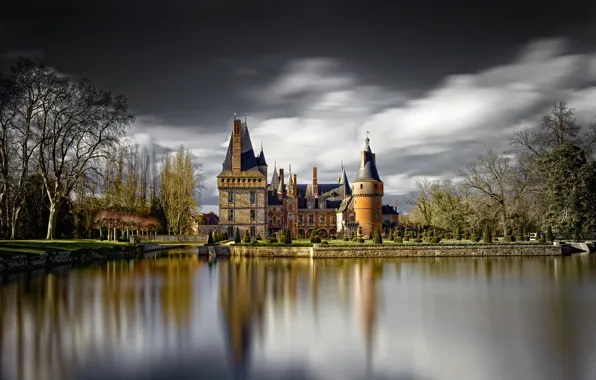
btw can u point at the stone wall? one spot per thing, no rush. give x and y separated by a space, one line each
397 251
438 251
281 251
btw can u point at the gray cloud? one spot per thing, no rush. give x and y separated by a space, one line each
316 113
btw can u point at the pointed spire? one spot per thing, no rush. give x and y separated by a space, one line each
261 158
274 177
343 180
368 167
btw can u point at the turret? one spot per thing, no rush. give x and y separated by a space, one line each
274 179
262 162
368 193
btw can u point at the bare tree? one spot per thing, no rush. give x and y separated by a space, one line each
496 178
81 124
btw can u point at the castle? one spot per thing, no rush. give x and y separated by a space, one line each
248 202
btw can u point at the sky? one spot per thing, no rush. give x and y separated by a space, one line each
434 83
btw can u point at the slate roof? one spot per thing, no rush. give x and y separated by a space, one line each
274 179
368 168
261 161
272 199
344 181
345 204
389 210
248 160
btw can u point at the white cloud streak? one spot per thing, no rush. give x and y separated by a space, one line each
434 135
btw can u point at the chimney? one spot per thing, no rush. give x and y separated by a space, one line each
236 147
315 183
294 185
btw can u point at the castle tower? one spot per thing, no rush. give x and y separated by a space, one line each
368 193
242 186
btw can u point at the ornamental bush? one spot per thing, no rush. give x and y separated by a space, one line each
246 238
377 239
237 237
398 240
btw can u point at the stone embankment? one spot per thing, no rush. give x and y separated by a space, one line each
388 251
18 262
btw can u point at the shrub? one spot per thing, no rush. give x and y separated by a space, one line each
377 239
361 240
324 242
519 238
417 240
398 240
458 236
246 238
254 242
237 237
549 234
258 238
486 237
541 240
390 235
210 239
272 240
507 238
346 238
281 236
407 238
435 239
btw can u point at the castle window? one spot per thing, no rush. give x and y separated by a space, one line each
253 231
253 197
311 219
230 197
322 219
230 216
299 219
361 186
375 185
278 220
253 214
230 231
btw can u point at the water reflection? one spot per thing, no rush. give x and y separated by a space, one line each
181 317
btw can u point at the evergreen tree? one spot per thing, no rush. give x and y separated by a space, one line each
549 234
246 238
237 237
210 239
377 239
486 238
288 237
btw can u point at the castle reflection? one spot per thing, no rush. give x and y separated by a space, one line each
141 314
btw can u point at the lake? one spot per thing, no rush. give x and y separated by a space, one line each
181 317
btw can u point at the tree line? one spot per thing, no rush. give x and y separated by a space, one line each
546 181
67 169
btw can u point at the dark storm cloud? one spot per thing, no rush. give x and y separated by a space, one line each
313 76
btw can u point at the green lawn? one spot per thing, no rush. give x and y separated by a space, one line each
41 246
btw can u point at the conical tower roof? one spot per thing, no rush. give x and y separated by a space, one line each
274 178
368 168
343 180
261 161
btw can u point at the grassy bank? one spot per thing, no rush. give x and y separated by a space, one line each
36 247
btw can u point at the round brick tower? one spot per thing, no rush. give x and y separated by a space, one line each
368 193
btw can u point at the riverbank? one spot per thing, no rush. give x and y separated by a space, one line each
365 251
36 254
